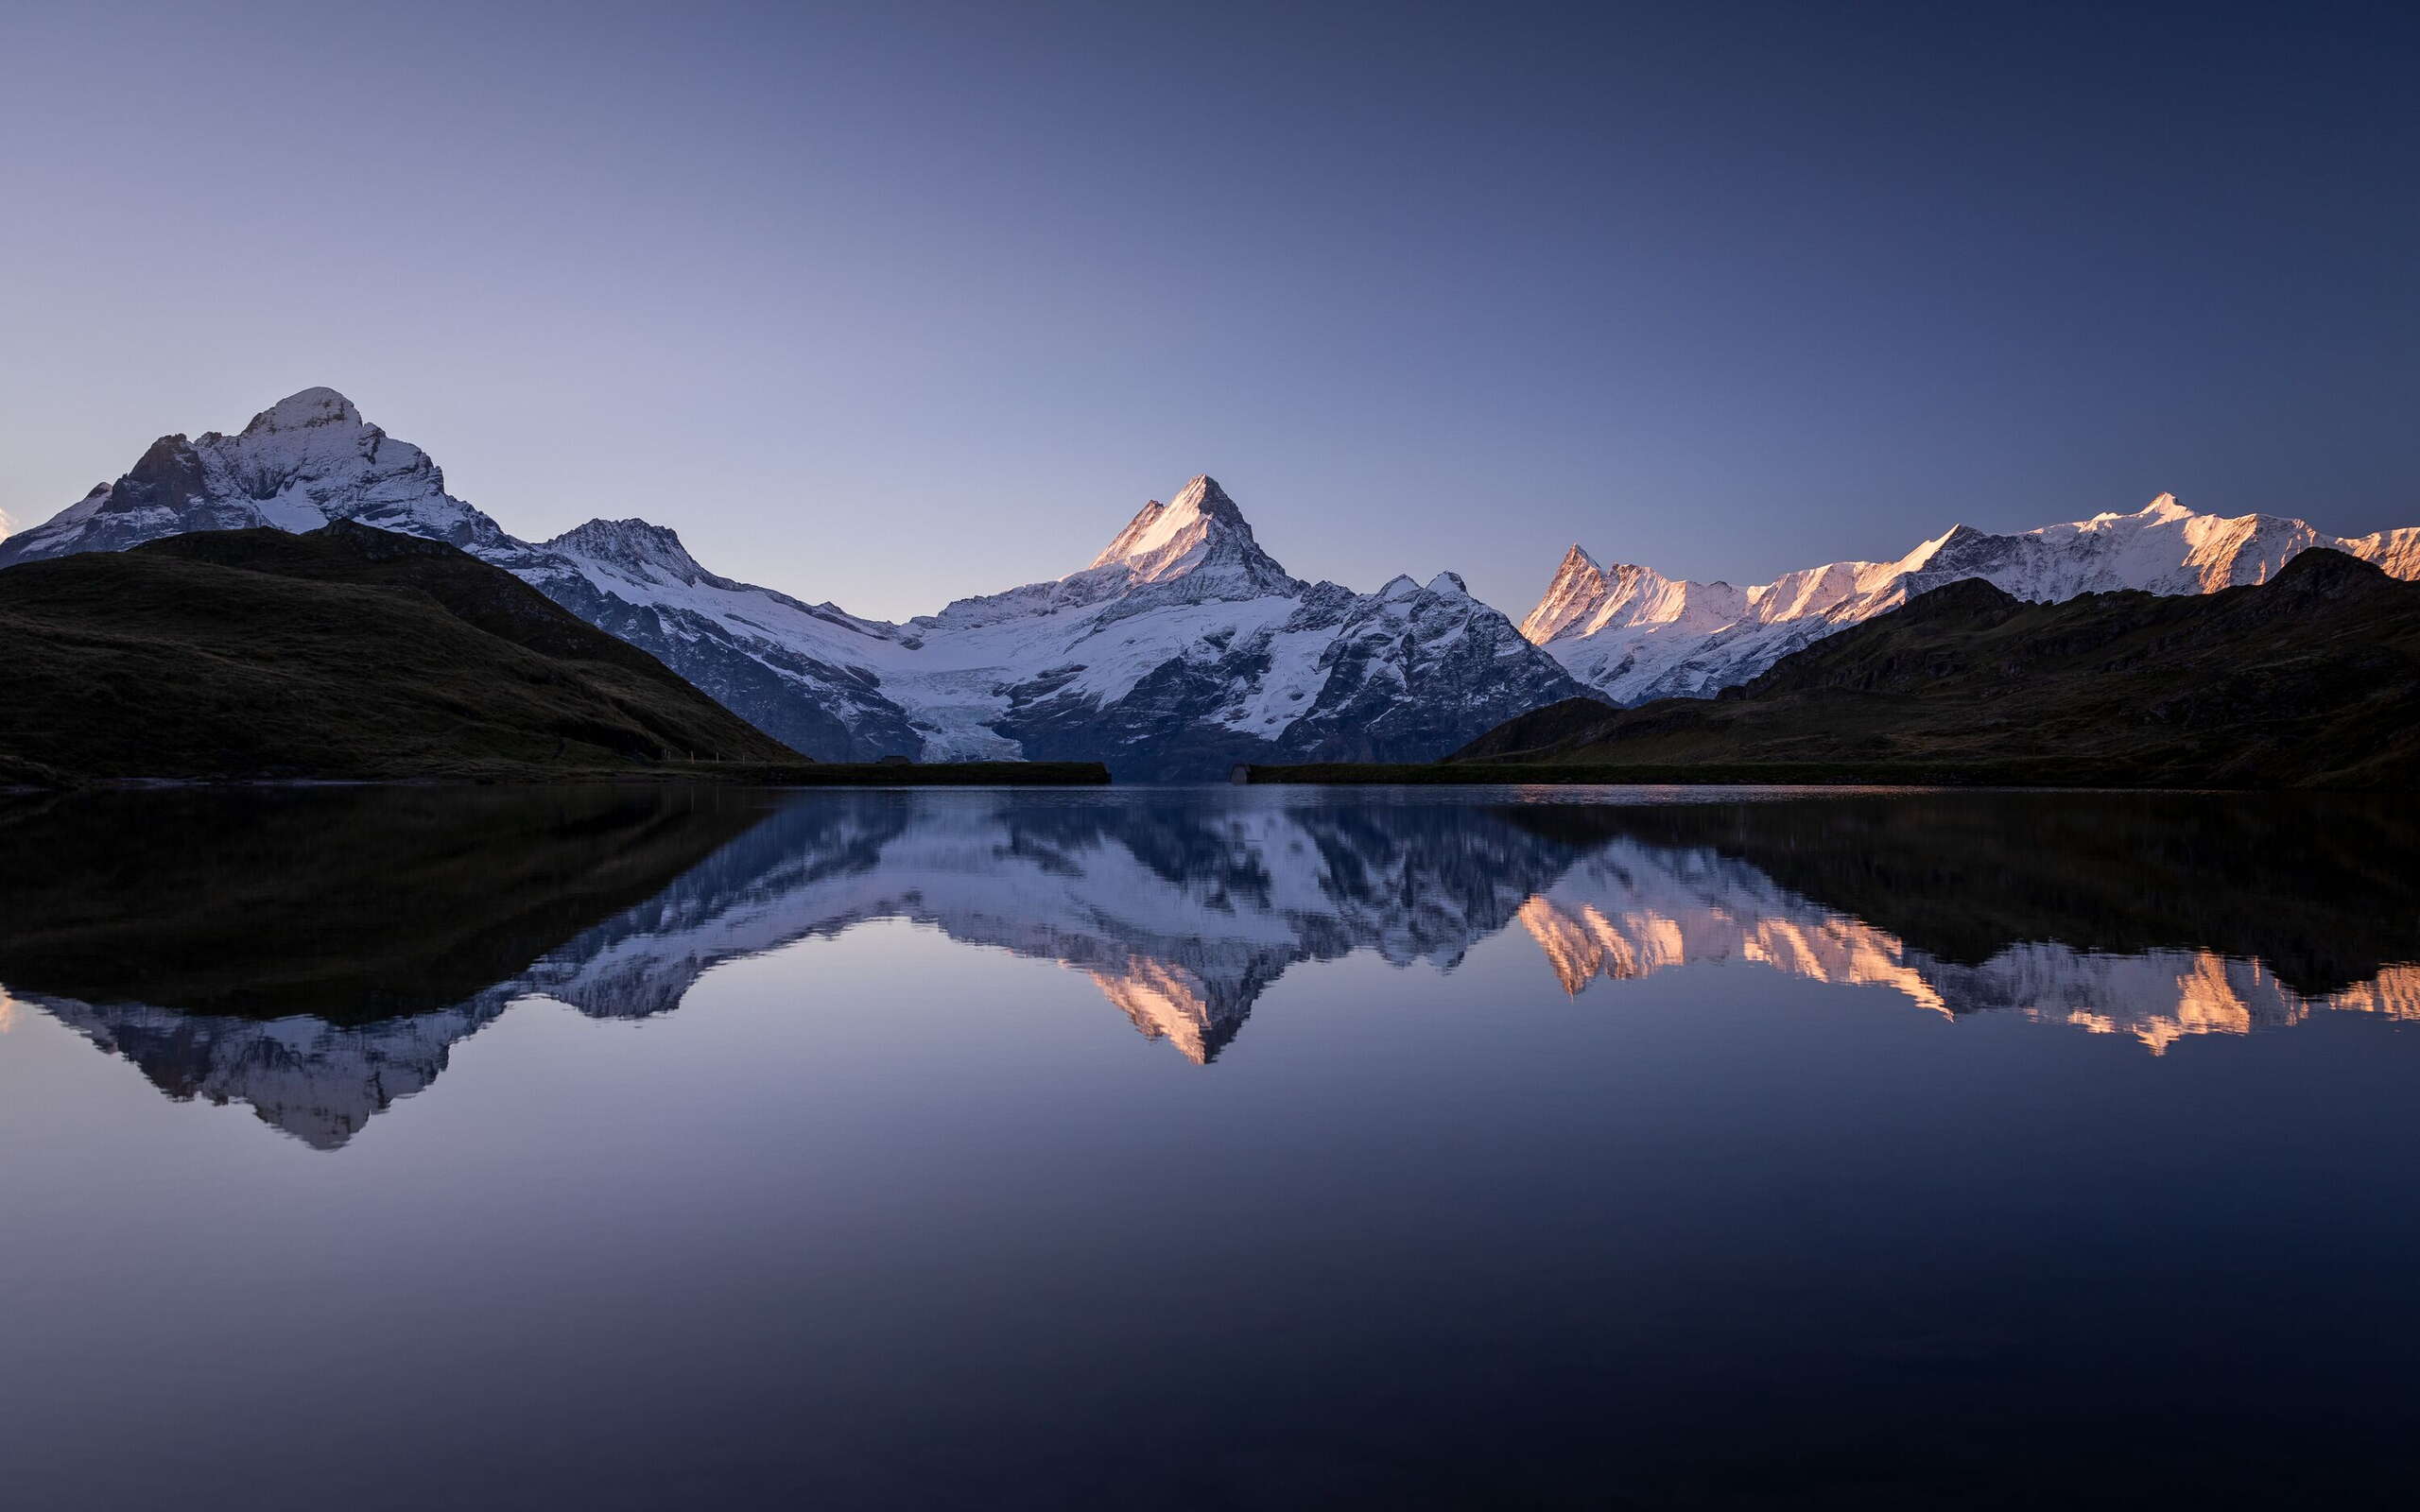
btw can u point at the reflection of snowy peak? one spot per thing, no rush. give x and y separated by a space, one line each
1633 635
1182 649
318 1081
1633 910
1180 913
1181 910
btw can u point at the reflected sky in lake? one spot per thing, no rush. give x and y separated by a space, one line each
1223 1147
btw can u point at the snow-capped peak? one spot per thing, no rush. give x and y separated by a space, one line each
1165 540
1578 587
303 410
1195 549
306 460
634 546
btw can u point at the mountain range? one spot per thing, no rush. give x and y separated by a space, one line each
1182 647
1634 636
1179 649
2309 679
2126 915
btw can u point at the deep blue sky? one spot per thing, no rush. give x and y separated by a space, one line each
893 303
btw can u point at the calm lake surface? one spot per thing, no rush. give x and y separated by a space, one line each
1221 1148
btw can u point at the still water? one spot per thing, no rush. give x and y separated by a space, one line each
1228 1148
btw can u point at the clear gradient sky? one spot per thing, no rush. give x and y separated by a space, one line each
891 303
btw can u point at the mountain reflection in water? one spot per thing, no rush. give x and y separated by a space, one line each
316 954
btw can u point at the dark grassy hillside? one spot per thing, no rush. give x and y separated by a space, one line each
2311 679
344 653
470 590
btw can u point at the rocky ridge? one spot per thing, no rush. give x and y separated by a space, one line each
1633 635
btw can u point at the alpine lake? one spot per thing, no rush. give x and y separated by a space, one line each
1221 1147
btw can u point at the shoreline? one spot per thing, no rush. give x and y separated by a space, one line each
716 774
2046 774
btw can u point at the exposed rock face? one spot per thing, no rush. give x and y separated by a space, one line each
1633 635
1182 649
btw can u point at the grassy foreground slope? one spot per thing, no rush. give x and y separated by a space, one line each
347 652
2311 680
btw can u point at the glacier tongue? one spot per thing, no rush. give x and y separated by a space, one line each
1633 635
1182 647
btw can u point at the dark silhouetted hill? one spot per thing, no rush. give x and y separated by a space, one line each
347 652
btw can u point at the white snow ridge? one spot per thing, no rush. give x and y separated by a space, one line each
1633 634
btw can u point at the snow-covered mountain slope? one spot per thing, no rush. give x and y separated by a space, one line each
1180 648
1633 634
1182 910
306 460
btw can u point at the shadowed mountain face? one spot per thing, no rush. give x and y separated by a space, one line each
315 955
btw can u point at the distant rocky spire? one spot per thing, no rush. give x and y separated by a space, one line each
1578 587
